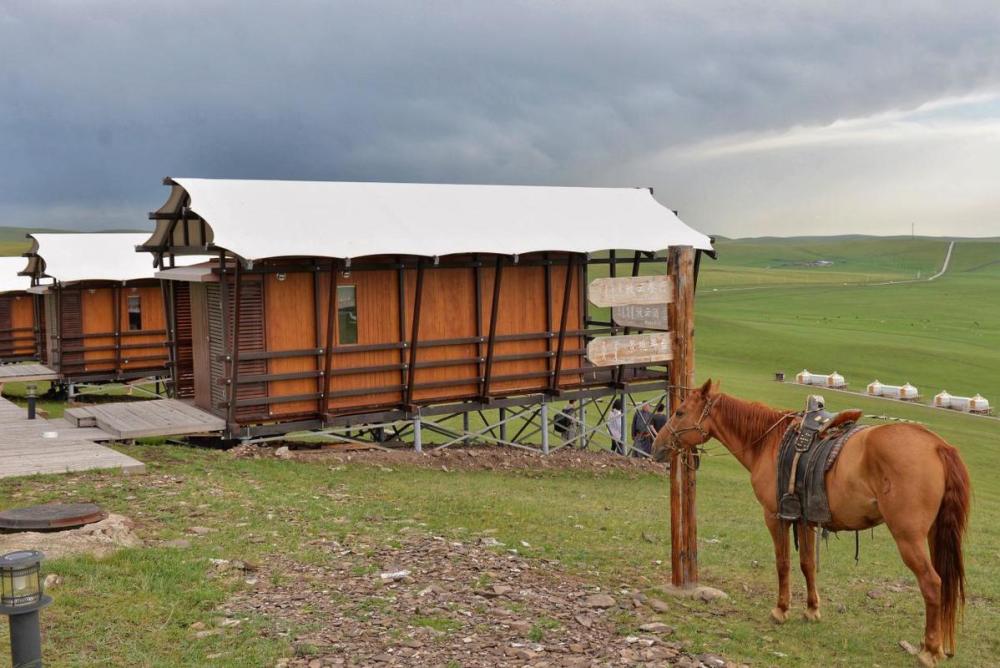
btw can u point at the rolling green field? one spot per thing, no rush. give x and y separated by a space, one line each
137 606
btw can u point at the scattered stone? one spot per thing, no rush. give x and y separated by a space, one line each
283 452
584 621
656 627
199 531
875 594
52 580
500 590
600 601
908 648
658 605
394 576
709 594
712 661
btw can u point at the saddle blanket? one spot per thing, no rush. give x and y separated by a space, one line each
808 454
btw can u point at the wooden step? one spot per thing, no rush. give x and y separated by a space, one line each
80 417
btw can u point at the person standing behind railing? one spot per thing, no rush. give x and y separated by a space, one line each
642 441
614 424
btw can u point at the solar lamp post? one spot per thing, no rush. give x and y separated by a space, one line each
32 396
21 597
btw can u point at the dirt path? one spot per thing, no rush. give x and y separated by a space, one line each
429 601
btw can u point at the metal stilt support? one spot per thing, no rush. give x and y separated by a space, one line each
544 416
417 440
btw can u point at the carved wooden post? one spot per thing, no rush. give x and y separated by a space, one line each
683 517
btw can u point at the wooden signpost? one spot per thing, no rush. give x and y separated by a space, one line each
635 349
651 303
630 290
641 316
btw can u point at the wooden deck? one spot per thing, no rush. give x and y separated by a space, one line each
28 446
25 373
139 419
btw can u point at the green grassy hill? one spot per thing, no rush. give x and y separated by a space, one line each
937 335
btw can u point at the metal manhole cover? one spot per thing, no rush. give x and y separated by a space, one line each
49 516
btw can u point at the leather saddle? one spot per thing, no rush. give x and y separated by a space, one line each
808 450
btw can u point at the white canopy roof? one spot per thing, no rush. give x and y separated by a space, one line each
9 279
260 219
70 258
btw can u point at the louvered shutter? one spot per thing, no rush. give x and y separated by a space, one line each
71 330
184 379
251 340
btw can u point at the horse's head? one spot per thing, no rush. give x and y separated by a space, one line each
689 424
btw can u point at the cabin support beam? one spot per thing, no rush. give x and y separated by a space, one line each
491 340
683 464
331 322
414 338
116 314
563 319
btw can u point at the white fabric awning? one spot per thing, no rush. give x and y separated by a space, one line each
9 279
71 258
261 219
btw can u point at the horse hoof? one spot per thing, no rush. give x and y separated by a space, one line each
926 659
812 615
779 616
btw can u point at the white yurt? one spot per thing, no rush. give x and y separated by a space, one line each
906 392
974 404
942 399
834 380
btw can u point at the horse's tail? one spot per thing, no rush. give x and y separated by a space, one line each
946 541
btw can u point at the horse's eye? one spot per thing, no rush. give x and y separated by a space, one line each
678 413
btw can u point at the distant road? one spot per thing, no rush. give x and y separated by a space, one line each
944 268
947 261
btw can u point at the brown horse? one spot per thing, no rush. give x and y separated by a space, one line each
901 474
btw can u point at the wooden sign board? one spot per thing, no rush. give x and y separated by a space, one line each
641 316
632 349
631 290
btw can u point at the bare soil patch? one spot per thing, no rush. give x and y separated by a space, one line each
428 601
474 458
98 539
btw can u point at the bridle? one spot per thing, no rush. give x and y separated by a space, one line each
675 441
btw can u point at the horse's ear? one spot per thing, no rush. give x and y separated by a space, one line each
715 386
706 388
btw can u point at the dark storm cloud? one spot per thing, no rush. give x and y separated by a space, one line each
99 100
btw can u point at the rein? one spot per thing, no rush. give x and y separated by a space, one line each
675 441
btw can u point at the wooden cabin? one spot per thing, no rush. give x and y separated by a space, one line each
22 327
347 303
104 309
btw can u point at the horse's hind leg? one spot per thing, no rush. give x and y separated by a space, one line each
910 528
807 561
779 535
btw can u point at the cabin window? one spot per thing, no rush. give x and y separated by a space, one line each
347 315
134 313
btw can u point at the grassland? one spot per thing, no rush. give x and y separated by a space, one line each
136 607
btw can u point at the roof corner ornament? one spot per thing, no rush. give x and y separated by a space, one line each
437 260
347 268
515 258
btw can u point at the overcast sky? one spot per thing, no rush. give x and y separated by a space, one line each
750 118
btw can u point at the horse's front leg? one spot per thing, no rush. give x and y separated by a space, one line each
779 534
807 560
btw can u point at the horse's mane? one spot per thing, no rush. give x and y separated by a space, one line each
752 419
